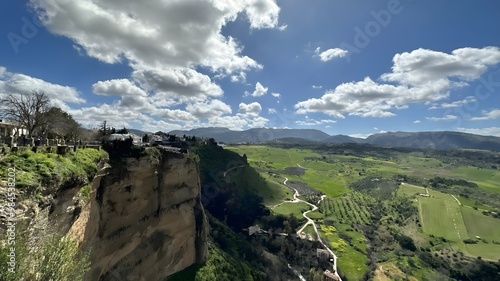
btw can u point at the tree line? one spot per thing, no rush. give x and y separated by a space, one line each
35 113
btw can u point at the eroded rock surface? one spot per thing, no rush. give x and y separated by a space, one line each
145 220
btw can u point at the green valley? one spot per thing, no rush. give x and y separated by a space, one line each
382 204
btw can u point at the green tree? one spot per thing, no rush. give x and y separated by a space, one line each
60 124
122 131
293 221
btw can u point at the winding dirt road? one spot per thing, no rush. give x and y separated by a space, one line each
296 199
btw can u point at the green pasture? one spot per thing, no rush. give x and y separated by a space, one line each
478 224
486 178
472 203
409 190
288 208
441 216
351 262
487 228
484 250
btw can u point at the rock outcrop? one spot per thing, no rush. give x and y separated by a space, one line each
145 220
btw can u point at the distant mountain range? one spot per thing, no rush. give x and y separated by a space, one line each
444 140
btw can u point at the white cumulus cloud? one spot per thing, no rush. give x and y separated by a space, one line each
258 92
251 109
165 43
330 53
488 115
22 84
421 76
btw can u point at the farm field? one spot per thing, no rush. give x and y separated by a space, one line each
486 227
472 203
410 190
318 175
480 225
442 216
485 178
346 209
288 208
350 261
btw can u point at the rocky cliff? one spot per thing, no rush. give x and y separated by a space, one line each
145 220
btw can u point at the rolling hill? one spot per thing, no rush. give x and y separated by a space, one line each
444 140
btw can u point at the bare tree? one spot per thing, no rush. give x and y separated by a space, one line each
28 110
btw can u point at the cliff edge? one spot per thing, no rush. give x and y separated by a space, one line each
145 220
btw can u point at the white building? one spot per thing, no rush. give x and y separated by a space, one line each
155 138
135 138
11 128
253 229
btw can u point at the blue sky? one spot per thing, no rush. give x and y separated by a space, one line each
345 67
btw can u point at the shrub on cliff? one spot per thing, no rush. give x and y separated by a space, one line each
222 267
49 257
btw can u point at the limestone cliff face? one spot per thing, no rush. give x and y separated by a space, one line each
145 221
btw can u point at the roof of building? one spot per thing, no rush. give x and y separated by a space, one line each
331 275
8 122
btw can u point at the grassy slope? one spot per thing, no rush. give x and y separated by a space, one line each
272 193
32 167
472 203
270 158
410 190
